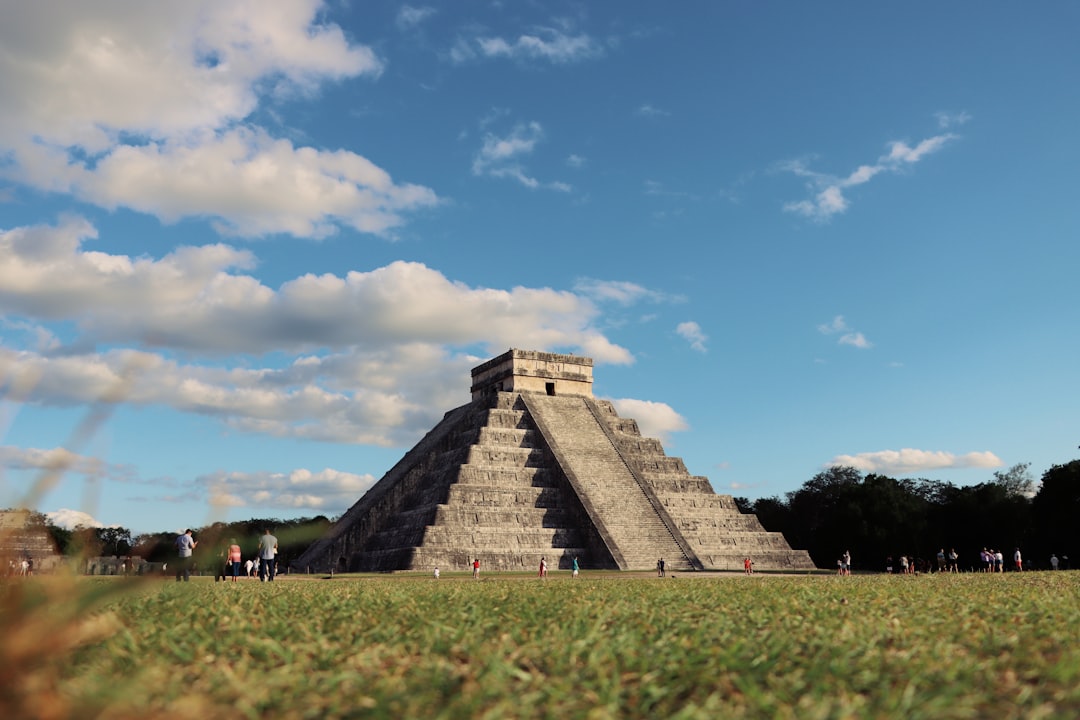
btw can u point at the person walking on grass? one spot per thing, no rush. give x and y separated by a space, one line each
476 569
747 566
185 545
235 557
543 568
267 556
575 568
1018 560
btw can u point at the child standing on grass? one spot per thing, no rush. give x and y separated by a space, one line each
476 569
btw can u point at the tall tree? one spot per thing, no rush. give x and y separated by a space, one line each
1056 510
1016 481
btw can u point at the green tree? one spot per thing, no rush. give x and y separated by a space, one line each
1055 511
1016 481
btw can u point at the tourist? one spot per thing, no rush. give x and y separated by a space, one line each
1018 561
436 572
185 545
235 557
1054 561
476 569
941 560
249 567
223 565
747 566
953 561
903 565
267 556
575 568
847 562
999 561
543 568
660 567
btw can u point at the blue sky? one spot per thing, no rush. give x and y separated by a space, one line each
249 251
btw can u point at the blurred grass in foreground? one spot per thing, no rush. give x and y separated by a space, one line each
1005 646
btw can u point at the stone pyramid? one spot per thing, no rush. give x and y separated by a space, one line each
535 467
19 539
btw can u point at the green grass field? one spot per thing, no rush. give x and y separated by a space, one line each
723 646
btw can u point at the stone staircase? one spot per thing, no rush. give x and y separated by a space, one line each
712 524
498 501
617 503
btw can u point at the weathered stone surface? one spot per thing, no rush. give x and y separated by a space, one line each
21 540
536 467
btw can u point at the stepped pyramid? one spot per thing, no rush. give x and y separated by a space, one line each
19 539
536 467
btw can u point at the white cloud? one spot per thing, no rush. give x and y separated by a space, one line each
654 419
575 161
691 332
371 357
195 299
71 519
838 324
828 196
53 459
501 157
255 185
547 44
855 339
848 336
908 461
651 111
409 17
620 292
128 105
949 119
327 491
901 152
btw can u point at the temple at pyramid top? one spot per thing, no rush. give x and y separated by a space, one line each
533 371
536 467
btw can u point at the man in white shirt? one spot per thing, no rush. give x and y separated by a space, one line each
185 544
267 556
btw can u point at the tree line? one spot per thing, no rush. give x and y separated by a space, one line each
875 516
294 537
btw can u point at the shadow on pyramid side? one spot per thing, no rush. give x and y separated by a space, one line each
535 467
